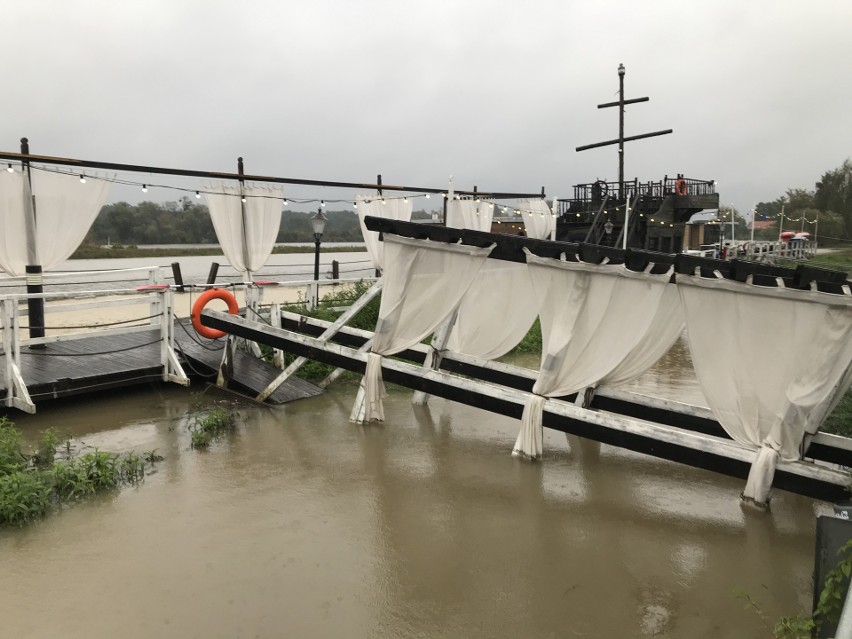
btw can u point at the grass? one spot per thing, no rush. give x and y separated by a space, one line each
840 420
208 426
32 483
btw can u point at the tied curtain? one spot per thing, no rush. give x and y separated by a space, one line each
539 220
65 209
424 282
395 209
597 324
771 363
246 231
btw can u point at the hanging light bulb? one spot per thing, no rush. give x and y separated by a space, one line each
82 178
445 195
144 188
383 201
10 169
427 196
243 198
322 202
197 195
405 199
285 201
355 204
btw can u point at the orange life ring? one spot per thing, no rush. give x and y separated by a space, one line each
201 302
680 187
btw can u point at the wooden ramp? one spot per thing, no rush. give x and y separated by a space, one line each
102 362
201 358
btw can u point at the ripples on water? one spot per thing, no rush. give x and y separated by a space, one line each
305 525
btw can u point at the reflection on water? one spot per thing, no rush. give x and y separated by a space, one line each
672 377
305 525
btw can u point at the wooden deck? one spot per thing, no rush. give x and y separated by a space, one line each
98 363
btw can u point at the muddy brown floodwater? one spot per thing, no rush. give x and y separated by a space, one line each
304 525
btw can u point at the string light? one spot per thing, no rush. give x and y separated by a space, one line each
285 201
144 188
405 199
384 201
427 196
197 195
82 178
10 169
355 205
322 202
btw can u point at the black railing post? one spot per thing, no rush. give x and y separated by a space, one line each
35 279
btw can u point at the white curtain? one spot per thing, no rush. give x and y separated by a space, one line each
497 311
424 282
391 209
771 362
246 240
539 220
470 214
65 210
663 331
593 317
500 305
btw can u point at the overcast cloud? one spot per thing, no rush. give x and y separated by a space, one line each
496 93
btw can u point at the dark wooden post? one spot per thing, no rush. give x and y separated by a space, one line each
35 279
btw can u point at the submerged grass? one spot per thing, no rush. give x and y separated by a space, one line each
206 427
31 483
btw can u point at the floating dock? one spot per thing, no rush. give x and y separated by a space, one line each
96 363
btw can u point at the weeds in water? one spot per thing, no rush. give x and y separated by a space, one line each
206 427
30 484
831 598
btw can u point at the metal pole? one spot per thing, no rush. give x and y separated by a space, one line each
35 280
621 130
243 220
733 215
753 219
317 240
781 223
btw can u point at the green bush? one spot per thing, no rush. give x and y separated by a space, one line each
31 483
24 496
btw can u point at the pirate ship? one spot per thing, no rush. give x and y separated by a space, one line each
650 215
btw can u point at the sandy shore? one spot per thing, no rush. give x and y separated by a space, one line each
67 316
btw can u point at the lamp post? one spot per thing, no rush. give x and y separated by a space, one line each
318 221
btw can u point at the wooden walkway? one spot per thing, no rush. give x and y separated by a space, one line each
98 363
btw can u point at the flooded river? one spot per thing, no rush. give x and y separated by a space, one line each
304 525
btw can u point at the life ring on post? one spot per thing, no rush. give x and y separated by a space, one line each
680 187
201 302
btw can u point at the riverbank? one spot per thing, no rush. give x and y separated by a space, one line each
117 251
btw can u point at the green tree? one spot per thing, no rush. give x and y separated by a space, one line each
834 192
830 226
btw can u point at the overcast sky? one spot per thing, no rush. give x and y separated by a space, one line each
496 93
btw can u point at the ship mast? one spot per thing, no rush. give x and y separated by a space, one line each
621 139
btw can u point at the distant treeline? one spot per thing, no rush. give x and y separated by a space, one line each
830 202
188 222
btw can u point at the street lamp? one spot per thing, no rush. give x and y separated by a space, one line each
318 221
